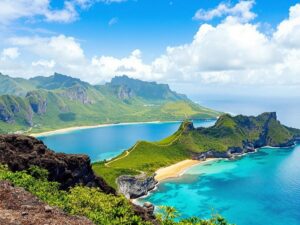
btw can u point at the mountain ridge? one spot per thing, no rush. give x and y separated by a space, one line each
59 101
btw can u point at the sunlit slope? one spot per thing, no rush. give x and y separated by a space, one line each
59 101
228 132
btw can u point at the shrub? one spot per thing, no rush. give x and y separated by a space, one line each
99 207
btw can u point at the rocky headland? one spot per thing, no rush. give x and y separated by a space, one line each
229 138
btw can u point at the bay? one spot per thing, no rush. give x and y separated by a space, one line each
106 142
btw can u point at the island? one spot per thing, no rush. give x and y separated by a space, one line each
134 172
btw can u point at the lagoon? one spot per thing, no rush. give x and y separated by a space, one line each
259 188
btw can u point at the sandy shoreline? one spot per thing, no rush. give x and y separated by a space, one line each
176 170
69 129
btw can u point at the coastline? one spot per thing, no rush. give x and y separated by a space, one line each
75 128
176 170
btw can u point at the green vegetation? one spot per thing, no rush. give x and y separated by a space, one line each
168 214
147 157
49 103
90 202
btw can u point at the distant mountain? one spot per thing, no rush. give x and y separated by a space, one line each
146 90
15 86
59 101
229 137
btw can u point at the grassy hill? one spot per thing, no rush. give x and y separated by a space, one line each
59 101
230 135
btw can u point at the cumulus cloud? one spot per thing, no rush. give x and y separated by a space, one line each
288 31
61 48
131 65
241 11
231 52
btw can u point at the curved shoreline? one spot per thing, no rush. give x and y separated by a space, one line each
178 169
75 128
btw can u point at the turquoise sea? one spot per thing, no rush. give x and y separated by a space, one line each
262 188
106 142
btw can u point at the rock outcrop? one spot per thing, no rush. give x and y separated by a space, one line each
11 107
20 152
136 186
125 93
18 206
77 93
146 212
37 101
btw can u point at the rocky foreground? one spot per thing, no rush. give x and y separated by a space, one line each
17 206
20 152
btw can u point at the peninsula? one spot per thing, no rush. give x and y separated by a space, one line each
134 171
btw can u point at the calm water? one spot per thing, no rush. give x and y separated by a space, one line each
260 188
106 142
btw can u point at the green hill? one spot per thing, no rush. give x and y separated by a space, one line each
59 101
229 136
15 86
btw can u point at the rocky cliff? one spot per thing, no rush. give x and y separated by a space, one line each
20 152
136 186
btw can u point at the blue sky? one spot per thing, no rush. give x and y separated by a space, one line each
218 45
148 25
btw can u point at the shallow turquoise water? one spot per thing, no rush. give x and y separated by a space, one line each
106 142
259 188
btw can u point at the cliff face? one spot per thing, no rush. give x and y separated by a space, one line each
77 93
136 186
37 102
12 108
20 152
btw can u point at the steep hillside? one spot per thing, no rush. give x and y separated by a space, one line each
230 136
15 86
61 101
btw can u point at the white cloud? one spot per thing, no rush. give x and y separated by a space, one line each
66 15
10 53
288 31
232 52
11 10
131 65
241 11
63 49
